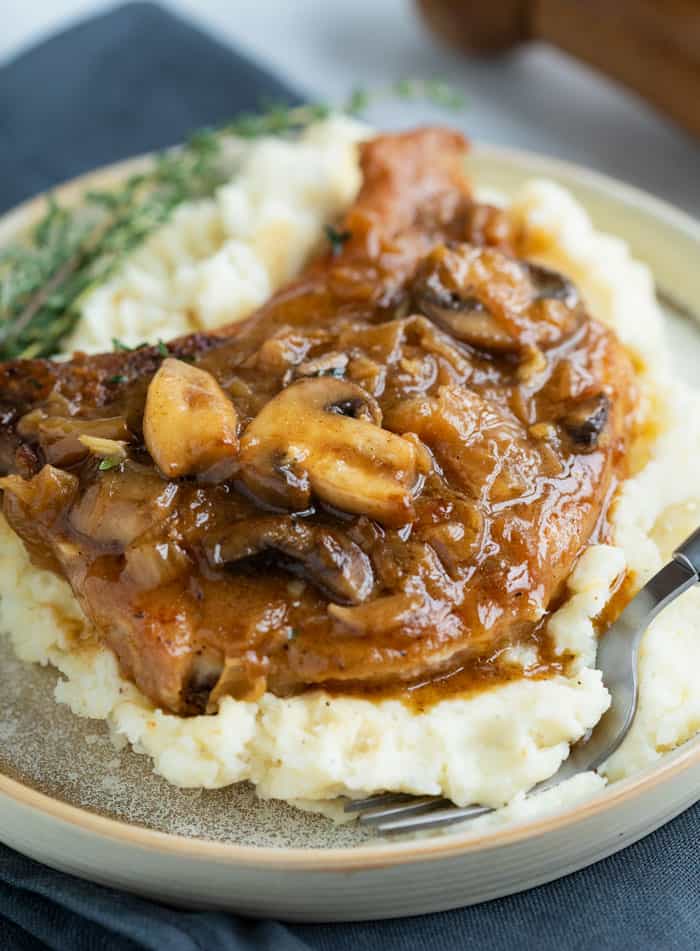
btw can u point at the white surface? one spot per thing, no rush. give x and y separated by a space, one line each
534 98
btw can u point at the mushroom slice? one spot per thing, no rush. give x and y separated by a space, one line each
494 302
551 285
325 557
189 424
213 676
586 423
322 437
466 319
114 449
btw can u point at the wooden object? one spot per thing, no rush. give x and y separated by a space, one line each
652 46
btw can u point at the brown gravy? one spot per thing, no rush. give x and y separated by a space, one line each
424 431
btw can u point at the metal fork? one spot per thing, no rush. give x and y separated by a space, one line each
618 655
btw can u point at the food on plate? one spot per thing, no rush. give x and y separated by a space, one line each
429 432
359 538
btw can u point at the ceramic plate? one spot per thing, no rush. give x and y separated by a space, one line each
69 799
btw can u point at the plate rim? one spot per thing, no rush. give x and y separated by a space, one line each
382 853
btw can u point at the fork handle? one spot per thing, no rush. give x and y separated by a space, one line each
689 552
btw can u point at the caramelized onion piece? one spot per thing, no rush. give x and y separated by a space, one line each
189 424
120 506
113 449
33 506
381 615
324 556
43 497
330 364
471 436
62 438
322 437
152 564
213 677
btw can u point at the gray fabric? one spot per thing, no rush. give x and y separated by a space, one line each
136 79
115 86
646 897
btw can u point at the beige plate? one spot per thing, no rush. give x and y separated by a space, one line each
68 799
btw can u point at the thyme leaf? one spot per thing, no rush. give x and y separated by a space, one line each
111 462
118 345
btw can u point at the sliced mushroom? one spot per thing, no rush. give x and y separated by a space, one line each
587 421
466 318
322 437
189 424
327 558
496 303
551 285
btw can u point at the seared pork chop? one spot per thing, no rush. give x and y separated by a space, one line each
386 472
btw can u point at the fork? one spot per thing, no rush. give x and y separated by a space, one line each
618 656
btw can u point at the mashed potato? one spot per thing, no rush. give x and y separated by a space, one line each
213 263
220 258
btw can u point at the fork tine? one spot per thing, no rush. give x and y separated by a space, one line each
430 820
416 804
359 805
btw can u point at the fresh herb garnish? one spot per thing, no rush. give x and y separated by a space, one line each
118 345
118 378
45 278
111 462
162 349
337 239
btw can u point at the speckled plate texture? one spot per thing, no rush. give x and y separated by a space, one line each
73 801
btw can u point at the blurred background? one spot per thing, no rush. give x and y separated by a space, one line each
532 97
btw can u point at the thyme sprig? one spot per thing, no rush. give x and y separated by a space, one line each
45 278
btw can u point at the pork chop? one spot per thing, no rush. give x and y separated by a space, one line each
385 473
